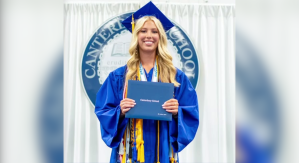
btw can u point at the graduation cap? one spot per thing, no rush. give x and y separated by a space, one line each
148 10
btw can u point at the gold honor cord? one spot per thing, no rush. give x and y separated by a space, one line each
172 158
139 134
132 138
158 160
124 155
158 134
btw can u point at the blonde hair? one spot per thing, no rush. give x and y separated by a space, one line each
167 71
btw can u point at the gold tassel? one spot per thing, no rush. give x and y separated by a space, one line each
133 23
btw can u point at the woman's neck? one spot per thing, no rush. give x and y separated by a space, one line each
148 60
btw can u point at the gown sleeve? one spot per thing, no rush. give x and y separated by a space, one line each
108 111
182 129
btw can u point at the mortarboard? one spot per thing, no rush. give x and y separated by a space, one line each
148 10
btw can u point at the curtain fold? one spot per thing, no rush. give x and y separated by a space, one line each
212 31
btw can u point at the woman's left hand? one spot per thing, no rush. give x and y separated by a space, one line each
171 106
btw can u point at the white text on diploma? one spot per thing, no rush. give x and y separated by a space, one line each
147 100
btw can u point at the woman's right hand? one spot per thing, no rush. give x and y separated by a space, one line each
126 104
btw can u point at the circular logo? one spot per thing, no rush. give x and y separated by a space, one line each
108 49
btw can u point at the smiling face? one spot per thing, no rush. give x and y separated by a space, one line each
148 37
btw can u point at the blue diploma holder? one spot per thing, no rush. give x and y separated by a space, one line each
149 98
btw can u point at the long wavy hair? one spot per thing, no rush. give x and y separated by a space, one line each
167 71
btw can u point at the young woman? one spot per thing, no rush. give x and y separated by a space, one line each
137 140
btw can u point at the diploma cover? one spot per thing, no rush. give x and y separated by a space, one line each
149 98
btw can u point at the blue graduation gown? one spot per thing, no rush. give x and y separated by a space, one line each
180 131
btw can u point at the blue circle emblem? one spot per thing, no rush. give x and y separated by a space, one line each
108 49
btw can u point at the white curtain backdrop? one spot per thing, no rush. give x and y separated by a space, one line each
212 31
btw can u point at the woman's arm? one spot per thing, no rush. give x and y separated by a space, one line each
182 129
108 111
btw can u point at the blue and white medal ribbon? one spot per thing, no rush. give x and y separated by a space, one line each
154 76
